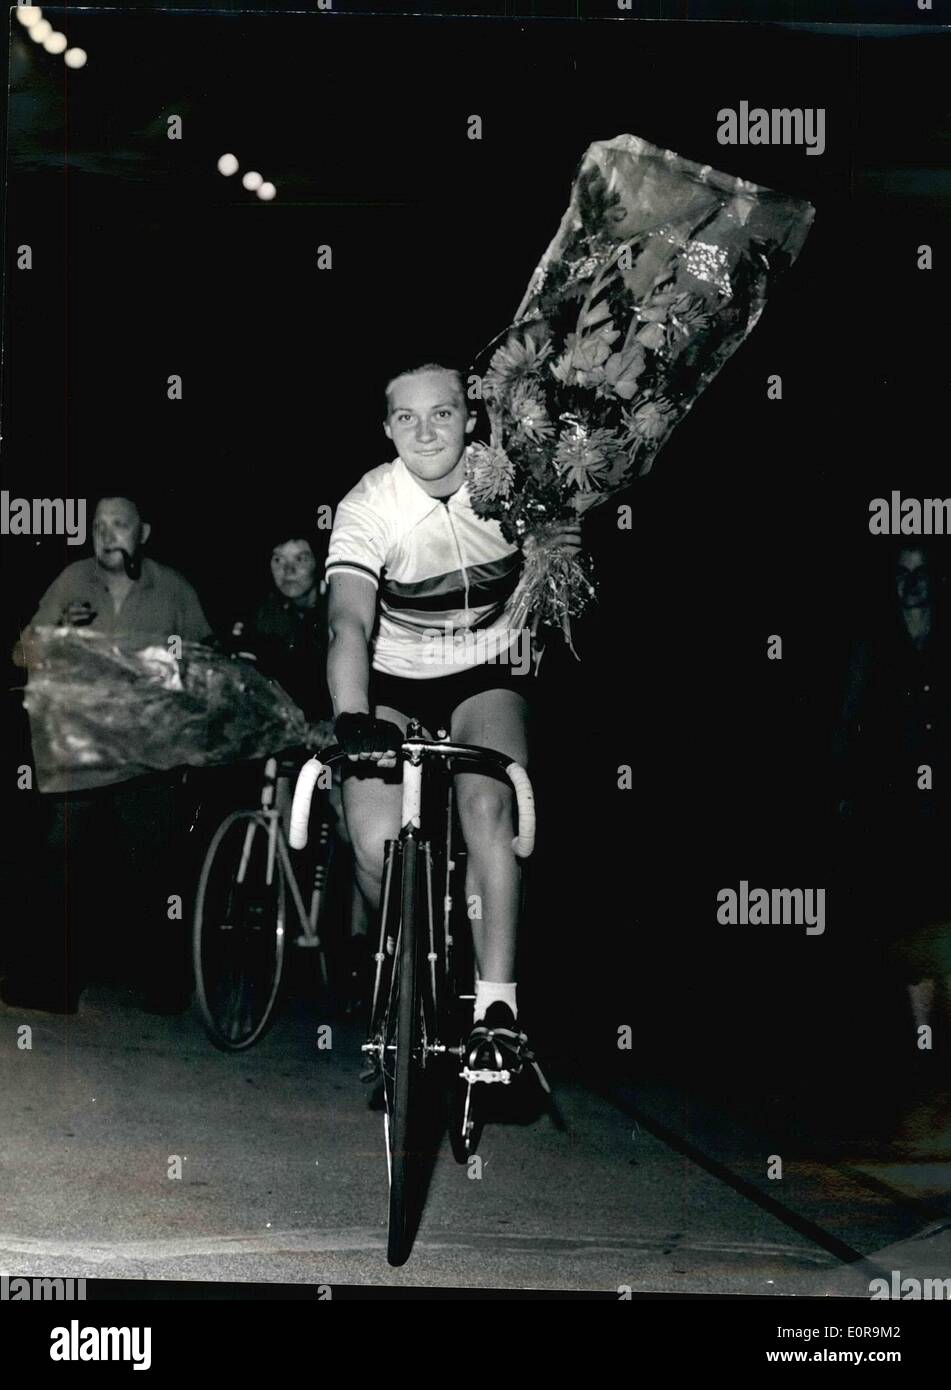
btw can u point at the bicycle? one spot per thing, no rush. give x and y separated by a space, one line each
421 987
240 919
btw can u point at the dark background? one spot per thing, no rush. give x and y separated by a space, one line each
754 522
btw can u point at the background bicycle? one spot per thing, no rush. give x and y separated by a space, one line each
254 900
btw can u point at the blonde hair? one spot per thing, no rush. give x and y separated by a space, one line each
451 368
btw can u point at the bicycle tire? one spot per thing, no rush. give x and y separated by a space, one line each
406 1041
238 935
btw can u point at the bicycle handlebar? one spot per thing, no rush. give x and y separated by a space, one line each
523 843
300 807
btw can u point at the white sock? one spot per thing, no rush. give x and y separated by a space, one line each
489 992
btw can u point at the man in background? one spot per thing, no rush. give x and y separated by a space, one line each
111 830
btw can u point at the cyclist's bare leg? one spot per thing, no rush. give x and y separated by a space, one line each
359 923
493 719
359 913
372 807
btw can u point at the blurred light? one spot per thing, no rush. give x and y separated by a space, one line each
55 43
252 180
227 165
75 57
39 31
266 192
29 14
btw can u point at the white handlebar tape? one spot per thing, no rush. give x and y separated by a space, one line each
300 809
524 842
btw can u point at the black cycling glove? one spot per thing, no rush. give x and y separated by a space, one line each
362 733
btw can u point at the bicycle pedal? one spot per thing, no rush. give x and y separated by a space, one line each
488 1077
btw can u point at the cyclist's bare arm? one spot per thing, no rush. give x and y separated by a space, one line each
351 618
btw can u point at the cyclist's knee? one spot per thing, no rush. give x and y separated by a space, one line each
485 812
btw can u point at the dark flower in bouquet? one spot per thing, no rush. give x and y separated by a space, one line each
659 270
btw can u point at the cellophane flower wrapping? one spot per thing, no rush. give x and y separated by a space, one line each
659 270
95 704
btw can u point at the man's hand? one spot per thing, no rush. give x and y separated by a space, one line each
565 536
77 614
366 739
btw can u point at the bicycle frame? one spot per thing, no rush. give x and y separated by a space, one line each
407 1029
389 931
413 751
277 848
274 815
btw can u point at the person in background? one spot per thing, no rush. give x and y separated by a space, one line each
112 831
286 634
894 748
286 630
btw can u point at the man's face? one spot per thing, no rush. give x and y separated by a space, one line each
116 526
294 569
913 580
428 422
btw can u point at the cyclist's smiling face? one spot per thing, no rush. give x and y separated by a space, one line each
428 422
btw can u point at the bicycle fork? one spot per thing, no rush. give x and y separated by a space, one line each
389 939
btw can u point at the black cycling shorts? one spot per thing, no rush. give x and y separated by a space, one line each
433 700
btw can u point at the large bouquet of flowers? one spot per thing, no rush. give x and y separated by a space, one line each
95 704
659 270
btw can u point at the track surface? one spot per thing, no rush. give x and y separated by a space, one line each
283 1176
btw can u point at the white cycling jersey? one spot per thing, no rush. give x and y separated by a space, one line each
445 576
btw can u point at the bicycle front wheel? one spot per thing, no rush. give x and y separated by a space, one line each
239 931
402 1059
